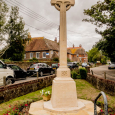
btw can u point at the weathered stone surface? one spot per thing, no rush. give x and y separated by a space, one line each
37 108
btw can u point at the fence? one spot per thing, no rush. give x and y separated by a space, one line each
102 84
104 75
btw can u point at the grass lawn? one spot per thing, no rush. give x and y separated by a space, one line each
84 91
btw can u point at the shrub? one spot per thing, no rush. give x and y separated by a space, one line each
33 60
74 75
83 73
78 76
56 59
68 60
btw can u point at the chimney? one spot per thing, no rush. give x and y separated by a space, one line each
73 45
55 39
80 45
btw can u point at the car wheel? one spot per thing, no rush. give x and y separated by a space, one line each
52 72
41 73
9 81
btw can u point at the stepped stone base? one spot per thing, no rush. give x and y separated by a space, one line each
37 108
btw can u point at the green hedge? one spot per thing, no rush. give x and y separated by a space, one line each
80 73
83 73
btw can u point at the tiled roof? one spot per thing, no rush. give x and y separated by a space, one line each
76 50
41 43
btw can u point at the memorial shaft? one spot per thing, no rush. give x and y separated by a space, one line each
63 36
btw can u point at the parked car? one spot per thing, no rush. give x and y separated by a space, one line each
7 72
84 65
18 72
55 66
42 68
72 65
111 66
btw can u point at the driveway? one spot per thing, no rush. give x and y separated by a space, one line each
99 71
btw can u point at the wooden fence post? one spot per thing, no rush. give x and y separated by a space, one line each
92 72
55 71
104 75
37 75
4 81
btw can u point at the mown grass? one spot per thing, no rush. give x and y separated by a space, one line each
84 91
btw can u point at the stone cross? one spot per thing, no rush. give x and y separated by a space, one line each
64 96
63 6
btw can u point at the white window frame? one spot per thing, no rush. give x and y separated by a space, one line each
31 55
24 56
43 54
37 55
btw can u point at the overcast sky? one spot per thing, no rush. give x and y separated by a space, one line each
45 19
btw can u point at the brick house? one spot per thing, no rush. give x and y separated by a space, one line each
41 48
77 54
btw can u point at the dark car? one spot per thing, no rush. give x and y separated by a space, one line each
72 65
55 66
18 72
41 68
111 66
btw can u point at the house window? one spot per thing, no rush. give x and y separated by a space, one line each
24 56
44 54
31 55
77 55
37 55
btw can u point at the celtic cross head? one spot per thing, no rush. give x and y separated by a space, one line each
68 3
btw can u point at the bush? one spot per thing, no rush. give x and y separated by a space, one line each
33 60
68 60
56 59
83 73
74 75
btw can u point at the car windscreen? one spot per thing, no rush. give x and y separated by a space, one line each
33 66
54 64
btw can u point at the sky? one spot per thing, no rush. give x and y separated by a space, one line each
43 20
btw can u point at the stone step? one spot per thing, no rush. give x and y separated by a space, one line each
37 108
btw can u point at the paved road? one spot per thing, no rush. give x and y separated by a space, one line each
99 71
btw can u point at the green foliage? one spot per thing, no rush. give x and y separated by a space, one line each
17 36
33 60
74 75
3 12
103 14
68 60
56 59
83 73
6 60
94 55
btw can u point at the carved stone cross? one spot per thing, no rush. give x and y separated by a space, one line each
63 6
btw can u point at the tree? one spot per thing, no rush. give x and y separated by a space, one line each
17 36
3 15
103 14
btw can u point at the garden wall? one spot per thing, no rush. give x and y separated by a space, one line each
20 89
107 86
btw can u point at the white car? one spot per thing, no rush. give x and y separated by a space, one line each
6 72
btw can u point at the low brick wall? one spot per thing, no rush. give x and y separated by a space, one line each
107 86
16 90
